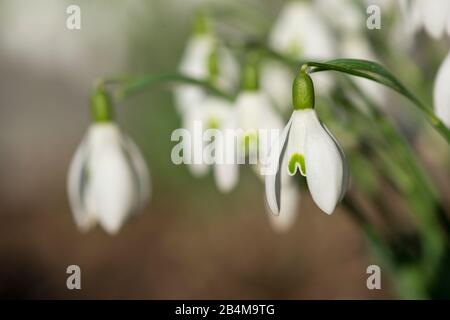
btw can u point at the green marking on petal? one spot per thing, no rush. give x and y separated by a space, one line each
294 50
250 142
212 123
297 159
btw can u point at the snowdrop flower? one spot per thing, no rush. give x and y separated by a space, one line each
261 125
275 79
299 32
306 146
255 112
210 144
441 92
196 63
107 180
434 16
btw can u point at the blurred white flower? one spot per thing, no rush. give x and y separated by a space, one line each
255 113
275 81
307 146
216 114
300 33
434 16
108 179
195 63
441 92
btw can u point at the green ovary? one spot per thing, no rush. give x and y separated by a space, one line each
295 159
249 141
212 123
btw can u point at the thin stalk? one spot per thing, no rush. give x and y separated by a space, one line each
137 84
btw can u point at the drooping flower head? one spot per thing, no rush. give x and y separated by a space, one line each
108 179
299 33
307 147
197 62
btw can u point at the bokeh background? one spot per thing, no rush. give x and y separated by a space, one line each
192 241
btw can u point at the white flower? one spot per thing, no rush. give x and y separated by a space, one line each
195 63
255 113
308 147
433 15
441 92
300 33
275 81
216 114
107 180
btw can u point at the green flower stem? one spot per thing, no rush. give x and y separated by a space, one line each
375 72
139 84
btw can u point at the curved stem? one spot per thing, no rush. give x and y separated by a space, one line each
138 84
378 74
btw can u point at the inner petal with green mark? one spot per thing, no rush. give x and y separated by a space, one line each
212 123
250 141
297 160
294 49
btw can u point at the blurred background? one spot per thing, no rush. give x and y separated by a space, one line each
192 242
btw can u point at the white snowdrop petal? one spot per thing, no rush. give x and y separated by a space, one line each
324 167
141 171
112 186
276 80
194 62
248 105
299 31
192 121
441 92
434 16
76 185
290 198
275 172
226 176
187 97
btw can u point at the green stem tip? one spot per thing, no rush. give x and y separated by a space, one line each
303 91
250 72
101 106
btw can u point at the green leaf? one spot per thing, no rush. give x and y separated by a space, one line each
376 72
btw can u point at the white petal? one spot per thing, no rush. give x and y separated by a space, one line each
300 28
434 15
111 178
324 166
275 173
193 121
188 97
248 105
290 198
441 92
226 173
228 70
276 80
343 14
194 62
141 172
296 144
76 185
